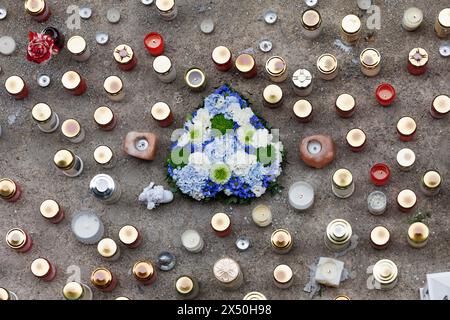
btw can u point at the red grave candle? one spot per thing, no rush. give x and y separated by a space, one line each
154 44
385 94
380 174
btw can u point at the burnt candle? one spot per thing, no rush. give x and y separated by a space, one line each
74 83
379 174
9 190
103 279
52 211
105 118
356 139
125 57
154 43
43 269
246 65
16 87
406 128
38 10
222 58
385 94
221 224
19 240
417 61
162 114
440 106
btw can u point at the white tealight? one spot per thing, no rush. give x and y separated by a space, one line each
147 2
301 195
7 45
444 50
265 45
311 3
113 15
87 227
207 26
101 37
85 12
3 13
329 272
43 80
270 17
192 241
314 147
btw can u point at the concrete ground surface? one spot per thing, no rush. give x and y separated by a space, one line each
26 154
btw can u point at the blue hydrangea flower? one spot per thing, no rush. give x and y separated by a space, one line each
191 181
215 104
254 121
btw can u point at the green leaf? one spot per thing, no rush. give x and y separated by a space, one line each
219 122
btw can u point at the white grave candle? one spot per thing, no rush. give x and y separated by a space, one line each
192 241
301 195
87 227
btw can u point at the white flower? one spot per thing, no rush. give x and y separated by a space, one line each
258 191
245 134
242 116
202 118
183 140
227 192
241 162
198 134
261 138
278 146
199 161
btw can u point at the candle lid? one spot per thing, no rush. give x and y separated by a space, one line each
107 247
432 179
442 103
102 186
165 5
311 19
379 235
226 270
87 227
103 154
327 63
302 78
221 55
406 126
342 178
73 291
101 277
339 230
191 239
143 270
40 267
113 85
301 195
184 285
418 57
64 159
123 54
345 102
103 115
76 45
342 297
413 15
261 213
34 7
14 84
444 17
370 58
254 295
41 112
351 24
272 93
128 234
16 238
275 65
282 273
245 62
385 271
49 209
406 157
4 294
166 261
418 232
220 222
407 198
195 78
162 64
356 137
302 108
71 128
71 80
7 188
281 238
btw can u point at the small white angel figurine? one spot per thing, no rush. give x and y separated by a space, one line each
154 195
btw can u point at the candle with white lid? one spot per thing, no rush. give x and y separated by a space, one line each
406 159
261 215
87 227
412 19
301 195
192 241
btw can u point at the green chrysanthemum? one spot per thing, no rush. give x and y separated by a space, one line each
195 134
220 173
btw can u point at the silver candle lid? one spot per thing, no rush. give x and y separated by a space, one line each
102 186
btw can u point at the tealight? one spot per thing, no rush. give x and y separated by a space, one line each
406 200
164 69
195 79
192 241
431 183
379 237
327 66
356 139
283 276
385 273
311 23
345 105
412 19
272 96
377 203
418 235
350 29
87 227
303 110
406 128
302 82
440 106
406 159
301 195
342 183
261 215
370 60
114 88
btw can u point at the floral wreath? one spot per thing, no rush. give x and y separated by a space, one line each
225 151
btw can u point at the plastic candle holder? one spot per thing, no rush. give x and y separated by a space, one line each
154 43
379 174
385 94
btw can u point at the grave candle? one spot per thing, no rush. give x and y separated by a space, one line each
114 88
302 82
221 224
9 190
370 61
167 9
303 110
254 295
222 58
228 273
69 163
192 241
379 237
356 139
301 195
327 66
431 183
246 65
311 23
405 159
19 240
283 276
74 83
418 234
376 203
442 23
276 68
104 188
164 69
72 130
187 287
104 156
345 105
16 87
379 174
162 114
154 43
406 200
406 128
261 215
350 29
87 227
281 241
385 94
329 272
7 295
412 19
77 291
417 61
195 79
440 106
108 249
272 96
52 211
105 118
338 235
342 183
385 273
103 279
144 272
46 119
78 48
125 57
39 10
130 236
43 269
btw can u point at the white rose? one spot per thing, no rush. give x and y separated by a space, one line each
199 161
242 116
183 140
241 162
